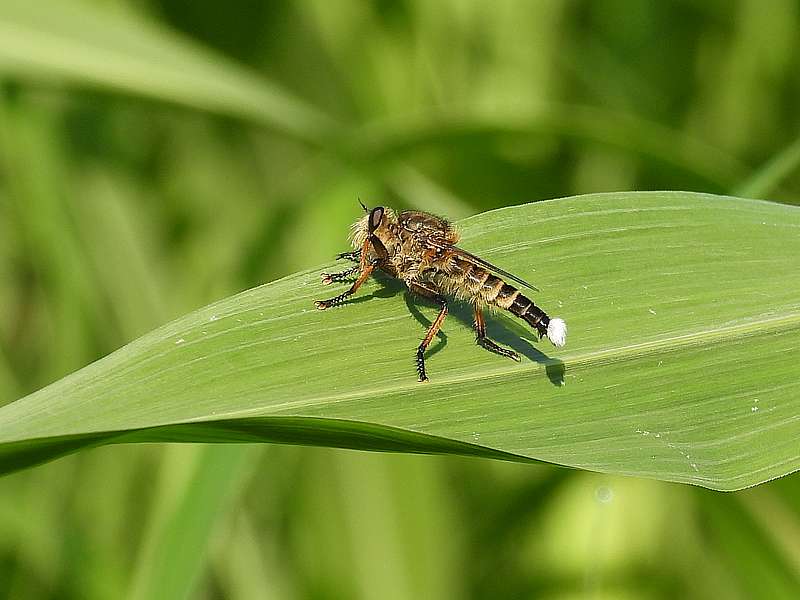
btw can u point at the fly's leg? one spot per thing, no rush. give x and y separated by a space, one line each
482 340
329 278
433 294
365 267
365 273
355 256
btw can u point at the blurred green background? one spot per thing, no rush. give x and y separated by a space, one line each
142 176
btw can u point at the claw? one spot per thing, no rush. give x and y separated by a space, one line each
321 304
326 279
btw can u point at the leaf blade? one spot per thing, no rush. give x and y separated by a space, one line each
667 296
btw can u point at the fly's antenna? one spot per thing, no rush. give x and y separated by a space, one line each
366 210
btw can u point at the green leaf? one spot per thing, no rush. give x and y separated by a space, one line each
120 50
164 569
684 317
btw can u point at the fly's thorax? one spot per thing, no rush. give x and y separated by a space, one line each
420 223
405 257
388 236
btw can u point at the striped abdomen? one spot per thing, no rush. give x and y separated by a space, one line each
516 303
488 288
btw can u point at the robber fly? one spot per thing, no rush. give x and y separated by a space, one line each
420 249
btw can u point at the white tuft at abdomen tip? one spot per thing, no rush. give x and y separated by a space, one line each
557 332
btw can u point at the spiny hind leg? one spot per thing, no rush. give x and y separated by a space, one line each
428 291
482 340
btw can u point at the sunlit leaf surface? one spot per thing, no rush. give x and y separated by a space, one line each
680 365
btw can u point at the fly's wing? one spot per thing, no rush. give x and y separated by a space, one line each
491 267
440 242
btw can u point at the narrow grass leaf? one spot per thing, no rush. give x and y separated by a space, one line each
119 50
767 178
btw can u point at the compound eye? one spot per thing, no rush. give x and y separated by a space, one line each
375 218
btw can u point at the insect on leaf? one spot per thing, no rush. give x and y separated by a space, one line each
684 313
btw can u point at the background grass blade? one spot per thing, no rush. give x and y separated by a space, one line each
683 313
166 568
770 176
118 50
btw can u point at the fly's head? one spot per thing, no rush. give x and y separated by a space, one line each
379 225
